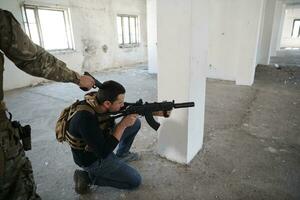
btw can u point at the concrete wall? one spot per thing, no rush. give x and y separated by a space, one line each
292 12
94 25
234 35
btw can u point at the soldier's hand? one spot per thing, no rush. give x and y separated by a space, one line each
129 120
86 82
162 113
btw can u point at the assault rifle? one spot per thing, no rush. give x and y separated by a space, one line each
147 109
144 109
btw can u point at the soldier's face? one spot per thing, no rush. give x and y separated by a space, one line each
118 103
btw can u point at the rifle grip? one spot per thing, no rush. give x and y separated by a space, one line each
150 120
84 89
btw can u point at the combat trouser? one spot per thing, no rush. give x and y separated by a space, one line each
16 176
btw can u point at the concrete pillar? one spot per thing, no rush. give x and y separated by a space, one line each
263 53
152 36
250 19
182 33
277 27
280 32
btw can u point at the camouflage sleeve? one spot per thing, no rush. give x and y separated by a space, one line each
28 56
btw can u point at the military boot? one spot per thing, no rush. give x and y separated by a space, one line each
82 181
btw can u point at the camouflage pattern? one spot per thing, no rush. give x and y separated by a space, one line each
16 176
1 75
16 180
28 56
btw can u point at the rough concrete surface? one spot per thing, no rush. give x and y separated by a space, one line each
251 144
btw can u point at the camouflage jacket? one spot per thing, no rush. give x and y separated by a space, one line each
27 56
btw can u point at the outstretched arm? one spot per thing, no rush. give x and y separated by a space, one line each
32 58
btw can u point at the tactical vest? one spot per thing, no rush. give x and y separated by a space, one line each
79 143
75 142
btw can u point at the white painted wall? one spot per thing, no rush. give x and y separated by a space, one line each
94 25
182 35
222 54
292 12
152 36
234 34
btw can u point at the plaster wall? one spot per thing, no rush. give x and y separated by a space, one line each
233 39
94 25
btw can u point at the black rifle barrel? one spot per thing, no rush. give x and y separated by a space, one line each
184 105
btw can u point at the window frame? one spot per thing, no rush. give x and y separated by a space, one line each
137 31
67 23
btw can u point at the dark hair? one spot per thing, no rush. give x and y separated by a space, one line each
109 91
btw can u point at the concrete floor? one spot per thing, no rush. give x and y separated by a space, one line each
286 57
251 144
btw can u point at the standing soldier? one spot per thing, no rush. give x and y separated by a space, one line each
16 176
